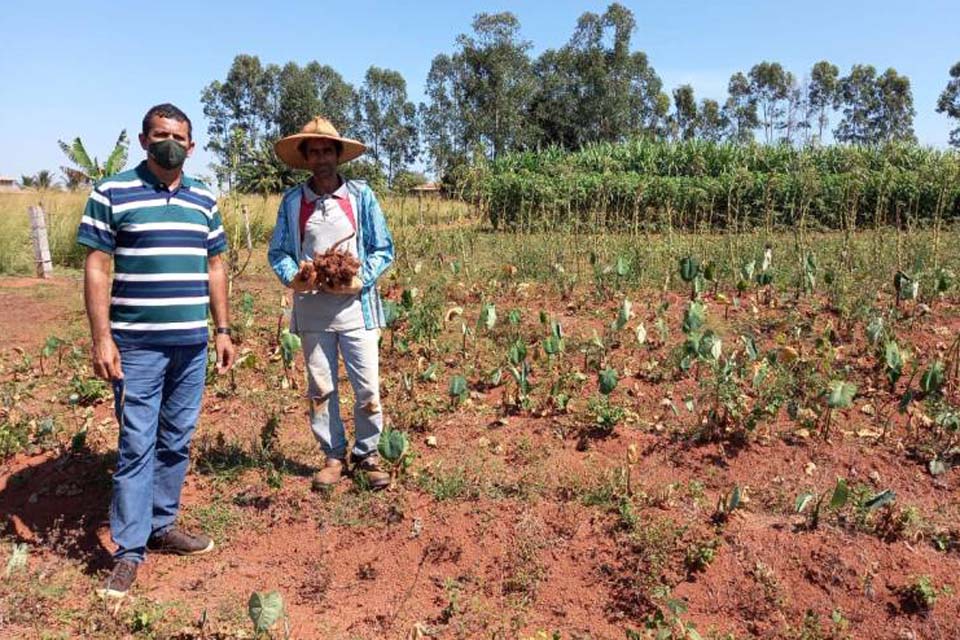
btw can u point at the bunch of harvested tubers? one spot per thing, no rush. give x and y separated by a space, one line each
332 269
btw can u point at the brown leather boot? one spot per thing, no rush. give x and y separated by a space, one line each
370 467
330 475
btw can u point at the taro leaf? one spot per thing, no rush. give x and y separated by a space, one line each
391 313
803 501
709 271
944 280
430 373
699 286
641 333
264 610
694 317
458 387
879 500
937 467
900 282
514 317
543 317
710 346
552 345
622 266
393 445
18 558
556 330
933 378
663 329
764 278
50 346
747 270
495 377
750 346
893 361
686 362
840 494
608 381
840 394
905 400
875 330
767 259
406 299
488 316
734 500
289 345
689 268
623 315
517 352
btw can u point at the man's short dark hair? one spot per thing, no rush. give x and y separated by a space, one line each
302 147
167 110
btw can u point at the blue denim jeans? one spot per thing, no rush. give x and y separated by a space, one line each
157 405
361 359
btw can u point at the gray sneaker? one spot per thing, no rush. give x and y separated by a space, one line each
180 542
120 580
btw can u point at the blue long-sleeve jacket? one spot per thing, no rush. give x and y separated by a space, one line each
374 245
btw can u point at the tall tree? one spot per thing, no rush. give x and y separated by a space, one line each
894 122
822 92
497 83
740 109
685 117
857 95
949 102
770 87
389 126
441 126
595 87
240 112
875 109
713 124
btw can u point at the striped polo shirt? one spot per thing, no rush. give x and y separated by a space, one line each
160 241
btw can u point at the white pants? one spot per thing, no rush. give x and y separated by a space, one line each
361 357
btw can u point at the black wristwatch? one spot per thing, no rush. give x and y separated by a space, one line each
223 331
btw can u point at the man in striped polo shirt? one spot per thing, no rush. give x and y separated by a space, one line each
163 233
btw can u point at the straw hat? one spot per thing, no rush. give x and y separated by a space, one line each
320 128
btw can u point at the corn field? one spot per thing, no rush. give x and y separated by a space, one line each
645 185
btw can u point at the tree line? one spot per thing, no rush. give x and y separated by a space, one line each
489 97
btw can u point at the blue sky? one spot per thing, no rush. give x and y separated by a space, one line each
92 68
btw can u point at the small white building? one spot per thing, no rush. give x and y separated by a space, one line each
9 185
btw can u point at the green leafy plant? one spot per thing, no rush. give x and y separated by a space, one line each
289 347
394 449
839 395
265 610
458 389
838 499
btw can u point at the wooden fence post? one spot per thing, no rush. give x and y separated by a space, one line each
41 246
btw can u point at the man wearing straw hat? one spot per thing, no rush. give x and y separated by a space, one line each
324 213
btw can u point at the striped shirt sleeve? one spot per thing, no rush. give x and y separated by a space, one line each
96 229
216 238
